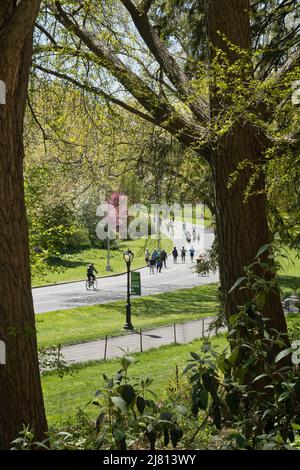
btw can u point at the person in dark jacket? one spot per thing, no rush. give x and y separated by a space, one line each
183 253
175 255
164 256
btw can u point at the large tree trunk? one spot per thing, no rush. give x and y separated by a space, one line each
241 227
21 400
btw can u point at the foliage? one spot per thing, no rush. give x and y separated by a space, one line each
254 386
51 359
128 417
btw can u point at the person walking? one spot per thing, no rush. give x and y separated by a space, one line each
147 257
188 237
158 265
194 234
164 256
152 264
175 255
192 254
198 237
183 253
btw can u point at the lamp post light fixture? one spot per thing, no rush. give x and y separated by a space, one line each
128 257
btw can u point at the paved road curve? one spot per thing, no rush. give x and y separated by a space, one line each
65 296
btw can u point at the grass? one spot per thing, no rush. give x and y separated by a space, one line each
64 396
289 276
94 322
72 266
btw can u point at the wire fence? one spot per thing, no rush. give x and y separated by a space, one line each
139 340
77 390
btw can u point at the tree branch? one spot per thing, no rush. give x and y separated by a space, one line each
161 111
184 136
46 33
289 65
172 70
96 91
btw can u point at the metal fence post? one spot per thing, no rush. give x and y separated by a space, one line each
175 339
105 347
203 327
141 341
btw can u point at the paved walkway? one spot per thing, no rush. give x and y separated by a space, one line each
176 276
181 333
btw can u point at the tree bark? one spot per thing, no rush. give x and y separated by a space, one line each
242 227
21 401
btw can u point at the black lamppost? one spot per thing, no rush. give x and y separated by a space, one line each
128 257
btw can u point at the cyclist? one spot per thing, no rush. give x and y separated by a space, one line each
90 272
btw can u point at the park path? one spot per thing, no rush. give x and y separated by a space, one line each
180 333
113 288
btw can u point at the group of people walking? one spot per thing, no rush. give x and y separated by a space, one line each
183 253
156 261
189 236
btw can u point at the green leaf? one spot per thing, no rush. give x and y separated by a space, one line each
263 249
140 404
237 283
206 347
260 299
166 437
188 367
181 409
283 354
119 403
195 356
176 434
99 421
127 393
259 377
118 435
234 356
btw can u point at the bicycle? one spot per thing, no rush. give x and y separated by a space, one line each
91 284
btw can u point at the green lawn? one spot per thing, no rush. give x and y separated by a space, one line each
72 267
290 273
92 322
64 396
